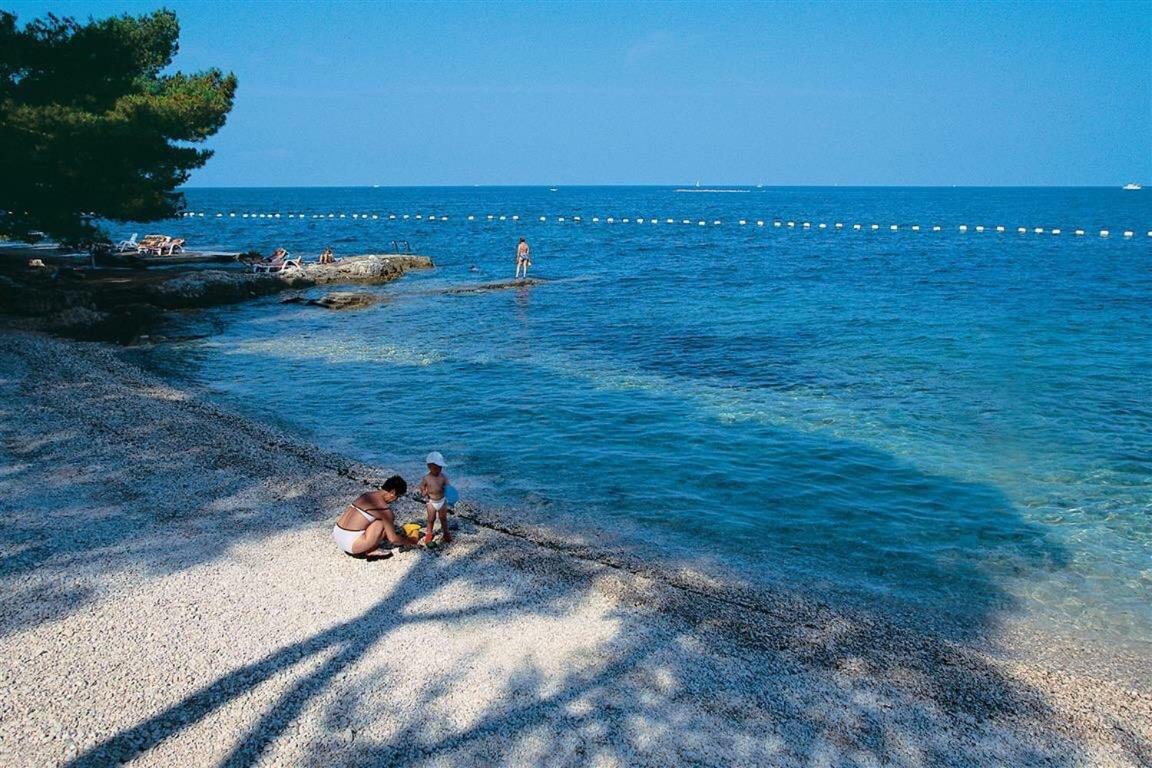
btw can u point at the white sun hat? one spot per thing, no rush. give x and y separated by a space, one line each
435 458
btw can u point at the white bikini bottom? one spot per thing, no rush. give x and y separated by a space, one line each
345 538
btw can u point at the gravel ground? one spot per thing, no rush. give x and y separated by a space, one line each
171 596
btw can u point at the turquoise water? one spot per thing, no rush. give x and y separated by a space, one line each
956 420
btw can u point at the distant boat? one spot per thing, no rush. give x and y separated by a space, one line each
553 189
1132 187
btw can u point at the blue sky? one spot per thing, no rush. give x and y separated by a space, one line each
670 93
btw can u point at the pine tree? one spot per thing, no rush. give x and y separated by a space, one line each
92 127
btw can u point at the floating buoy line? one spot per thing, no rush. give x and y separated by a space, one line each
650 220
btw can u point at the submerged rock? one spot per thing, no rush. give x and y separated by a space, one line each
345 300
500 286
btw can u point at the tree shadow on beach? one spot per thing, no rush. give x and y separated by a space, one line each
109 484
675 681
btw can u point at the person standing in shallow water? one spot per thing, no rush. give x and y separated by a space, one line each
522 259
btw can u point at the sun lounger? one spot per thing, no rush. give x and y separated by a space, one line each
152 244
174 245
128 246
277 265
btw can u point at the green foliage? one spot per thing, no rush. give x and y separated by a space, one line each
90 123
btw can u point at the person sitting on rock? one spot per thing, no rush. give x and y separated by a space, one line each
326 256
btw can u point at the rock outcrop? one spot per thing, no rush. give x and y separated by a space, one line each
120 306
212 287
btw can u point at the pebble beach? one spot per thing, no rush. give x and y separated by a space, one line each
171 596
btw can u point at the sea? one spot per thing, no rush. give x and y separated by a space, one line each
931 399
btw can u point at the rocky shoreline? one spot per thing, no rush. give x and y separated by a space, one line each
175 559
119 306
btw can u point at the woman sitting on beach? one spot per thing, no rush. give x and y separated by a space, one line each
368 521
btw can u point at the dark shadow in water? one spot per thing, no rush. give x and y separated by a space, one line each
841 513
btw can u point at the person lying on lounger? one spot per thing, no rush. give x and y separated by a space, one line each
368 521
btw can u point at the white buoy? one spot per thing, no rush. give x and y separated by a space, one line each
542 218
1079 233
355 215
777 224
560 219
1103 233
1039 230
1000 229
243 215
823 225
805 225
839 225
669 221
1022 230
443 218
792 224
392 216
685 221
936 228
894 227
576 219
915 227
201 215
516 217
742 222
759 222
856 227
219 215
504 218
701 223
875 227
1128 233
624 221
716 223
979 227
375 216
231 215
963 227
1055 231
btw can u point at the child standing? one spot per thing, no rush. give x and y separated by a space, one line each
432 487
